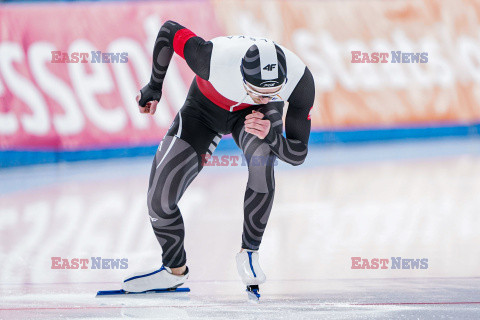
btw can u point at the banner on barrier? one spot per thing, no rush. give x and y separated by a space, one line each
430 73
70 84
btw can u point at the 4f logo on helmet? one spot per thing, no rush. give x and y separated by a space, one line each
270 67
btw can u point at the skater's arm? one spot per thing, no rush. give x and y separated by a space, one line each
294 148
174 37
171 38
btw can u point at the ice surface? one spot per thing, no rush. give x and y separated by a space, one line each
406 199
309 299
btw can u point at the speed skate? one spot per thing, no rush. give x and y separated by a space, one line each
249 270
121 291
156 281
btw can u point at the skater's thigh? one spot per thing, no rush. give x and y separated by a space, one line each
272 111
188 137
260 159
189 126
178 160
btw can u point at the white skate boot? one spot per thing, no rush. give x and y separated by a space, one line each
157 280
250 272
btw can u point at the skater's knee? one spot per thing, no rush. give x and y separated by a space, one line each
261 183
176 166
159 209
261 170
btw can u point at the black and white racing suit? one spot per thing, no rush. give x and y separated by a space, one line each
217 104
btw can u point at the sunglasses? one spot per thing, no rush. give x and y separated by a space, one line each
261 94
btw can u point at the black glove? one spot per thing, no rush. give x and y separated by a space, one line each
148 93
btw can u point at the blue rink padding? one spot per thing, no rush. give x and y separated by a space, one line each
391 134
12 158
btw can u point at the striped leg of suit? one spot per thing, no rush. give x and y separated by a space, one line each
176 164
257 207
175 167
260 190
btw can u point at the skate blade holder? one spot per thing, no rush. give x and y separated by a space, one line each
122 292
253 293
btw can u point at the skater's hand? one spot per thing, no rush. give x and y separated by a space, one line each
256 126
150 107
148 99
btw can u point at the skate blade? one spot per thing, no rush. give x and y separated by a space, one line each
254 297
253 293
123 292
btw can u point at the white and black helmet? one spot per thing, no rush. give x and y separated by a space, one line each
264 65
